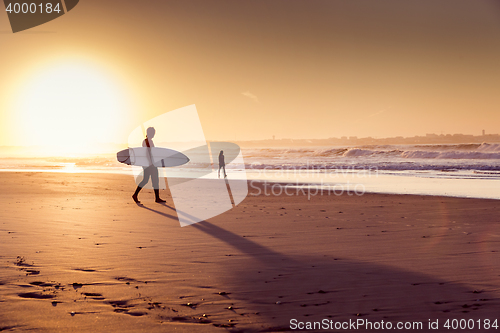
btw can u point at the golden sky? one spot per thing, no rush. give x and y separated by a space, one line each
254 69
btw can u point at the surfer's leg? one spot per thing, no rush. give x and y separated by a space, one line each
156 185
146 174
137 190
154 178
157 194
225 175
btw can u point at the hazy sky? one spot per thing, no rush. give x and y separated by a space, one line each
254 69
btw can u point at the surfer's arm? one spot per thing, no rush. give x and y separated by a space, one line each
145 144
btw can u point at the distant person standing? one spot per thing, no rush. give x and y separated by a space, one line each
222 163
151 171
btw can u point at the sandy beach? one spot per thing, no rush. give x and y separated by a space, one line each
78 255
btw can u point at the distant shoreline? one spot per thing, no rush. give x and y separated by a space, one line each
353 140
429 139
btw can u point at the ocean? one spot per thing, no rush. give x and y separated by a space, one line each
462 170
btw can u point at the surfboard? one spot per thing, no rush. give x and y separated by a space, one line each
157 156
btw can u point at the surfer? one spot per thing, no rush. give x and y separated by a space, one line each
150 171
222 163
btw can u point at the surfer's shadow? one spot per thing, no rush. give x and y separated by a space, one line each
173 217
337 286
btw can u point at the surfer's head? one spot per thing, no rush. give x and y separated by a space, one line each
221 152
150 132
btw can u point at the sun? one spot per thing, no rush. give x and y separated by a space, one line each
71 108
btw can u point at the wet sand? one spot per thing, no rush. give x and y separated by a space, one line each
77 255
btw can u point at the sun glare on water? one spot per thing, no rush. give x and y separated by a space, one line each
70 108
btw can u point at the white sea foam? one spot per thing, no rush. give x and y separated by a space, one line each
461 158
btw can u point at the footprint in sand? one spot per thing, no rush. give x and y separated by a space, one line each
36 295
